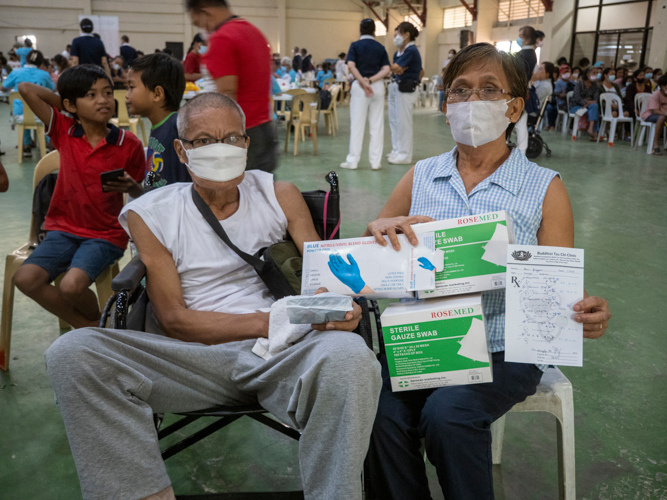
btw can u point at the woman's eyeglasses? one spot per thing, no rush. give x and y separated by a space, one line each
488 94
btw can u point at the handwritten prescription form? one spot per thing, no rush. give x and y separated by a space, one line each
543 284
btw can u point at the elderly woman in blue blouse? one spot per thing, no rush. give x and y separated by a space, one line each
407 72
484 92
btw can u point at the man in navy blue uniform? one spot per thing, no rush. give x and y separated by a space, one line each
128 52
87 49
368 62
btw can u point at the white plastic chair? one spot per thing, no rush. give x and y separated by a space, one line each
607 100
561 119
570 116
28 121
641 102
431 92
554 395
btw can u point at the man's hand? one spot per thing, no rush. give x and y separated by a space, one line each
395 225
351 322
125 184
594 313
366 85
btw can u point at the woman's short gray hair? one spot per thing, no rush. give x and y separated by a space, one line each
484 53
206 101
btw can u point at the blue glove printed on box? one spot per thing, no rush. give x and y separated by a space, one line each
347 273
424 263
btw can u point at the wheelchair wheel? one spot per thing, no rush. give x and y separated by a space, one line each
534 147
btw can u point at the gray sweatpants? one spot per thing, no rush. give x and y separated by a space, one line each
110 382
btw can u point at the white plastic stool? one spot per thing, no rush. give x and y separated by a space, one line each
554 395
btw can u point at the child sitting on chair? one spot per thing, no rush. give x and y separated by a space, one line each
84 236
155 86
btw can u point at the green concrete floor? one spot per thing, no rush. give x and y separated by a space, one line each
618 197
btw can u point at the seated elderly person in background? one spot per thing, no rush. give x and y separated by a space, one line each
210 309
484 98
586 95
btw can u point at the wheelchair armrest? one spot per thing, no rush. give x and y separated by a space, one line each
130 276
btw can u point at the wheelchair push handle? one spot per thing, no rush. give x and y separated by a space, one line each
332 179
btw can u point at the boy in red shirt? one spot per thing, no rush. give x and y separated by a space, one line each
238 59
84 236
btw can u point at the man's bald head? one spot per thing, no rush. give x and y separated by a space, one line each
202 103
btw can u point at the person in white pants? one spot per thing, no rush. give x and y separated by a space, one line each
407 70
368 62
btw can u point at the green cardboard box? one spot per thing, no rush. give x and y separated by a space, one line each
436 343
472 253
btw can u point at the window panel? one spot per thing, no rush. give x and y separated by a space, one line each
414 19
457 17
617 17
587 19
380 28
512 10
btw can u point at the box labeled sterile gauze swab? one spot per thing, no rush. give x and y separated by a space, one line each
436 342
469 254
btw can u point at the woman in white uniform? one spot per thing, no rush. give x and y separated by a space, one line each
407 71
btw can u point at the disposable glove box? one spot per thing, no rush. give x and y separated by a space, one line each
357 267
470 254
436 343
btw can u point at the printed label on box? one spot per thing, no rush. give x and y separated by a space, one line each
357 267
473 253
436 343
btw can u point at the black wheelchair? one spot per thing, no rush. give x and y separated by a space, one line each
126 309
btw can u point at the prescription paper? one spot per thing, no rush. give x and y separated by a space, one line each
469 254
436 343
543 284
357 267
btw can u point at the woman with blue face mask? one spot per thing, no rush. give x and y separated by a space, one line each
192 63
609 84
484 91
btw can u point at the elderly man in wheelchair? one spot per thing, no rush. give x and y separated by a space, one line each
207 309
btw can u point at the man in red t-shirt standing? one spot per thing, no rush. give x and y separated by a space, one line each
239 61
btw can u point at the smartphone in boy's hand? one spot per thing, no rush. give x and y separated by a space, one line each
120 181
111 176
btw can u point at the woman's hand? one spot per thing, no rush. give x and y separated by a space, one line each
594 313
391 227
351 322
396 69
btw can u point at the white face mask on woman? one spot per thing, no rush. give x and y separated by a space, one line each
475 123
217 162
398 40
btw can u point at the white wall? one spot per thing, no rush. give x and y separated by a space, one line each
324 27
148 23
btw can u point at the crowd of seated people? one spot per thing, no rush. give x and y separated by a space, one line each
587 82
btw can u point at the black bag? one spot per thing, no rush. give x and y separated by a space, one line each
532 102
325 99
275 257
41 199
407 86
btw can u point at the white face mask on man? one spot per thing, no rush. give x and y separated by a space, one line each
217 162
475 123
